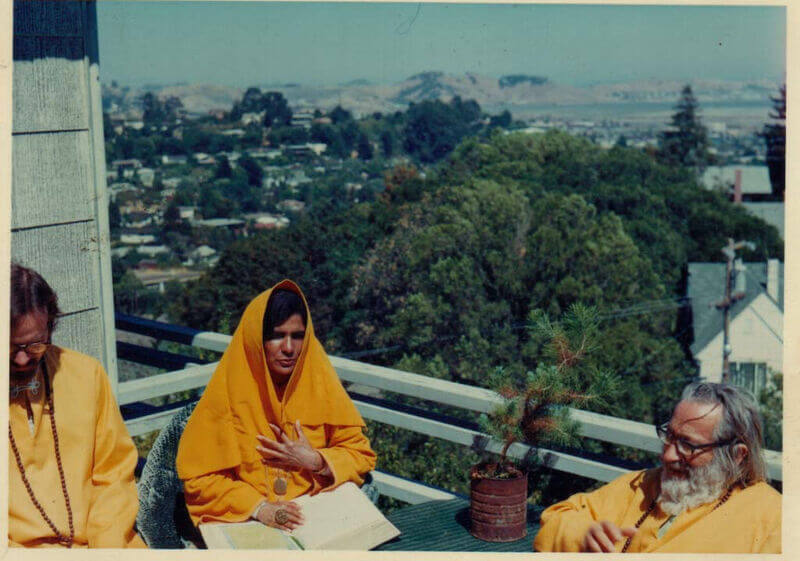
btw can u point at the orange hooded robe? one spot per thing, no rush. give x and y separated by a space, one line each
224 478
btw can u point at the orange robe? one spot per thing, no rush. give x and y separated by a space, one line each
97 454
748 522
224 479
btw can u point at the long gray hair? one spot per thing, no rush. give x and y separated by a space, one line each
740 421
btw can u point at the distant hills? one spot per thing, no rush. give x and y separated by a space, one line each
513 92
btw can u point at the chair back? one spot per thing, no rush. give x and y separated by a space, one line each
163 521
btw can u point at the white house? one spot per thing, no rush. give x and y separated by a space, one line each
756 325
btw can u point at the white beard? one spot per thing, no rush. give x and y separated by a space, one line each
702 485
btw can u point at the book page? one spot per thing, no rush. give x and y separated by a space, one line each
336 518
244 535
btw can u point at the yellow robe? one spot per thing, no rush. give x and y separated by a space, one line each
224 479
748 522
97 454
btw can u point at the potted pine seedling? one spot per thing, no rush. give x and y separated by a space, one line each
534 410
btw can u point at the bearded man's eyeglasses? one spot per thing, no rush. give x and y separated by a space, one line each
31 349
683 446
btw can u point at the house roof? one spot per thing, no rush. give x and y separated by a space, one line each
706 287
770 212
755 179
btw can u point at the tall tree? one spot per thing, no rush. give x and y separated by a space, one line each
153 109
364 147
774 135
685 142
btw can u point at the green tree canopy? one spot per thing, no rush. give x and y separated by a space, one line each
685 143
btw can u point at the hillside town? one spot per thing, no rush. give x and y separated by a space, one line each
183 185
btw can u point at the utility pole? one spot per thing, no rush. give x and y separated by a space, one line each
733 293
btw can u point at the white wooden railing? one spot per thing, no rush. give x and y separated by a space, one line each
593 425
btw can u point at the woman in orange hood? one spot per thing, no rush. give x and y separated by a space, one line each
274 421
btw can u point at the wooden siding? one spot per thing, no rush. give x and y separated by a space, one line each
63 255
52 177
82 331
59 204
52 73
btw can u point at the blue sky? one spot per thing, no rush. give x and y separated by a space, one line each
248 43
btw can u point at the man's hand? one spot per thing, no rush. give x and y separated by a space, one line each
601 537
290 454
267 515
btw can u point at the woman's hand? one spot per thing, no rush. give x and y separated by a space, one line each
289 454
284 515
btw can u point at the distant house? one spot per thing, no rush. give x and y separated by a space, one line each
267 221
173 159
187 212
137 219
233 132
135 125
770 212
204 255
153 250
292 205
749 186
233 224
203 159
743 183
297 177
302 119
131 163
146 176
172 182
756 324
136 239
307 149
252 118
259 153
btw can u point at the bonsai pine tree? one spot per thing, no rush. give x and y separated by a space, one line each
535 410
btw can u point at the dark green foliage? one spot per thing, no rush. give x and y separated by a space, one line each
771 405
434 128
255 174
339 115
224 169
114 217
273 104
503 120
440 276
685 143
387 143
774 135
365 151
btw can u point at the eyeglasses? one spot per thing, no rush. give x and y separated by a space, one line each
683 446
31 349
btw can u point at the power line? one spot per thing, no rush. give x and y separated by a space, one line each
641 308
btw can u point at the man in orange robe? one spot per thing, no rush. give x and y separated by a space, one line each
274 422
71 459
708 496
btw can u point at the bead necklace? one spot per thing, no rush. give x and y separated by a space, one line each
652 506
62 539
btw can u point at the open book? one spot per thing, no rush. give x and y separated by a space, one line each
340 519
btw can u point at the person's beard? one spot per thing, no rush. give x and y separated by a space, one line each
18 375
701 485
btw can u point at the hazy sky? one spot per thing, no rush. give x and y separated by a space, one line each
248 43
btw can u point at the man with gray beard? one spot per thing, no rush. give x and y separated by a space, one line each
708 496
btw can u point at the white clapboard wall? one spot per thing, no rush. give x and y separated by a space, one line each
59 208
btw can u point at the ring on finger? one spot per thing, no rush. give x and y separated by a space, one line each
281 516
